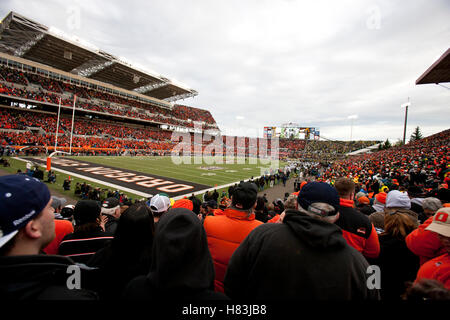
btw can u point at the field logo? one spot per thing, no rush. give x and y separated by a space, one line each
210 168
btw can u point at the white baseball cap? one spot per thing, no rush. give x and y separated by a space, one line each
159 203
441 222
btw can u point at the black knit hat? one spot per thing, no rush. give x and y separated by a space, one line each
245 194
314 192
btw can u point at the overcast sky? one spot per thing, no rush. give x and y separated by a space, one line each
259 63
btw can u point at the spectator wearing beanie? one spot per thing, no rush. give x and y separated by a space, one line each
27 227
430 206
379 203
363 205
88 236
356 227
226 232
183 203
396 201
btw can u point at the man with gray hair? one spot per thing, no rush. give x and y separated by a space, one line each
430 205
306 256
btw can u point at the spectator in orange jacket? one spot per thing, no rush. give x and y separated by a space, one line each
356 227
439 267
226 232
424 243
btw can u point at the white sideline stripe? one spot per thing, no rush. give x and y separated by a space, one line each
139 193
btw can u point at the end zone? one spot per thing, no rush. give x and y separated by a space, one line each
131 181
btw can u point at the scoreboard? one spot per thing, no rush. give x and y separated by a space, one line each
291 132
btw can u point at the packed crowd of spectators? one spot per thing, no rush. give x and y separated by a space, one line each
326 150
185 113
425 159
96 133
49 90
13 76
86 133
46 83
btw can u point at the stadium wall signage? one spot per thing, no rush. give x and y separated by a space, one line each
127 178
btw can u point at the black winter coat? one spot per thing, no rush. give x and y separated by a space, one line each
182 267
397 264
40 277
302 258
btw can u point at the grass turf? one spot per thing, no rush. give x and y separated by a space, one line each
163 166
224 173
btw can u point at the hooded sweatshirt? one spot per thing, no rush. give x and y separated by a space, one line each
301 258
182 267
39 277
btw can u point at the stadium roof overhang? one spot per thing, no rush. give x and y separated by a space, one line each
438 72
22 37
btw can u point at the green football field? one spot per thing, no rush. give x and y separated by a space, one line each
207 172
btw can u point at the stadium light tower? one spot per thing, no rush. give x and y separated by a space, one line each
352 117
406 105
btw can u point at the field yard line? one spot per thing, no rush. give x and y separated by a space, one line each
194 171
162 168
157 168
179 174
139 193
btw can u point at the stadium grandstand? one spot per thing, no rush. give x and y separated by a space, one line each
117 108
41 69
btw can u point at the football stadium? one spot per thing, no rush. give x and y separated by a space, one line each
68 100
124 160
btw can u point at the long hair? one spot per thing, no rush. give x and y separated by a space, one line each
398 225
130 252
135 229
